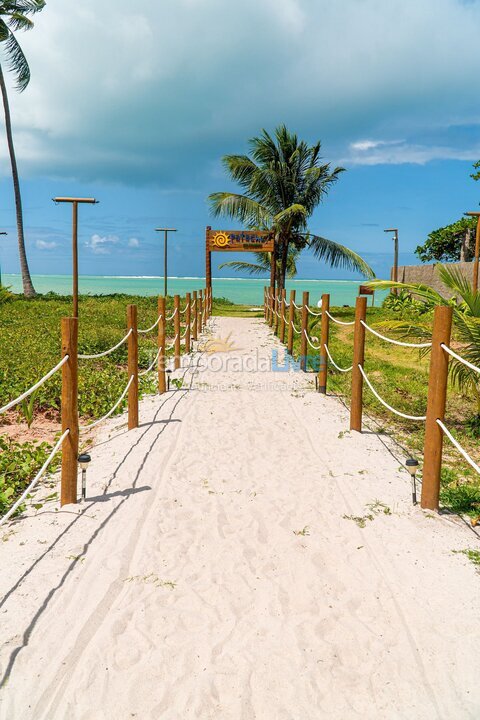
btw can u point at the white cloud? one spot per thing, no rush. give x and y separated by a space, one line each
222 71
102 245
133 242
45 244
398 152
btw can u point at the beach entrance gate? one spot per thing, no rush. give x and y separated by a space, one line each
237 241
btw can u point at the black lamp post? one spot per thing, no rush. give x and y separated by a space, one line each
83 461
412 467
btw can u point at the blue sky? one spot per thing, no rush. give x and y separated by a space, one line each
137 110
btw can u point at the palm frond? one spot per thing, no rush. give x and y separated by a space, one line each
240 207
17 62
250 268
338 255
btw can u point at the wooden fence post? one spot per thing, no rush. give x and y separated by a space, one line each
132 367
303 339
162 325
195 316
358 359
205 310
272 306
200 313
267 314
283 302
324 337
188 319
68 489
176 326
265 302
291 318
437 398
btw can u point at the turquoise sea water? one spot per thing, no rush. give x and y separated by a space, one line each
238 290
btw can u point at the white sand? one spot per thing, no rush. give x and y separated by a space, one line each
259 622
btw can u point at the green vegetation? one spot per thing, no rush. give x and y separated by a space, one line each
284 181
444 244
18 464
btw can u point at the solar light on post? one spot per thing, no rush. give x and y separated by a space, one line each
165 256
83 461
477 250
412 467
395 255
75 203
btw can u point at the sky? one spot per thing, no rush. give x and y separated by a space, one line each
136 109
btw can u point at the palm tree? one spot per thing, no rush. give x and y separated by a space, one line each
466 322
13 17
264 263
284 181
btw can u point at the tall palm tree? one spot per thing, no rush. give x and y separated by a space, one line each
284 181
14 17
264 263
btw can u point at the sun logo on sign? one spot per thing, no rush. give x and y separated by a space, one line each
221 239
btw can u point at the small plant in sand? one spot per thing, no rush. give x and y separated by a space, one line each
305 531
178 383
378 508
472 555
360 520
151 579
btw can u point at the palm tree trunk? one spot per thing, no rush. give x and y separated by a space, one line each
28 289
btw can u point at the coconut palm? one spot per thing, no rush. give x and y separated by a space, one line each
283 181
466 322
14 17
264 263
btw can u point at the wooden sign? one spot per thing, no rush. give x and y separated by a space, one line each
364 290
239 241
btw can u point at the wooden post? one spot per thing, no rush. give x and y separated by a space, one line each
200 313
176 330
277 305
265 301
358 359
195 316
205 308
436 402
162 329
188 319
303 339
283 302
324 337
477 254
291 318
68 490
272 306
132 367
269 304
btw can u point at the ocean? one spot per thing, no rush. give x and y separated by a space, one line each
238 290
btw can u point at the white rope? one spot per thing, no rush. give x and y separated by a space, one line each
313 313
458 446
459 358
34 387
172 315
339 322
106 352
299 307
397 412
185 309
150 367
185 333
315 347
344 370
82 428
299 332
395 342
170 347
144 332
35 479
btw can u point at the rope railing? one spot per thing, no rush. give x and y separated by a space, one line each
395 342
37 385
151 366
314 347
106 352
339 322
144 332
170 317
315 314
459 358
297 307
35 480
83 428
389 407
170 347
343 370
299 332
456 444
182 312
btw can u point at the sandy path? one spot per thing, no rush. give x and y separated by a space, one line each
183 591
